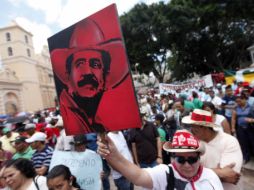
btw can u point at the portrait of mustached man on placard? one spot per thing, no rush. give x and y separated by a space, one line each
92 76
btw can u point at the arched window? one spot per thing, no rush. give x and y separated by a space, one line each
26 40
8 36
10 52
11 101
28 52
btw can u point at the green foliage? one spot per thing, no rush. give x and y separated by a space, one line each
203 36
146 37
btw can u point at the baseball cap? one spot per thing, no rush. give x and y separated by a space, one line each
6 130
159 117
78 140
38 136
20 139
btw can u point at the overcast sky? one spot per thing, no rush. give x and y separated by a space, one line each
43 18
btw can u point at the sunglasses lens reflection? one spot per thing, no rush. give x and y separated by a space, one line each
190 160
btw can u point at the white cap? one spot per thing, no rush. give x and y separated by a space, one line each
38 136
30 126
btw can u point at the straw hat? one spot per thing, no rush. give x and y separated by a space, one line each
200 117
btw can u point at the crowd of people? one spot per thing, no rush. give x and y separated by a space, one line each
195 138
26 153
220 118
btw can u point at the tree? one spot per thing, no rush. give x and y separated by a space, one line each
146 38
189 36
210 36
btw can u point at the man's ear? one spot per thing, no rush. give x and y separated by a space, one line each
70 89
108 82
69 86
104 87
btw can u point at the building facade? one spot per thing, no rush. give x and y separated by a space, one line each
30 86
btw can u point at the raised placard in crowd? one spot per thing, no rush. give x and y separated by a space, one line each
92 75
85 166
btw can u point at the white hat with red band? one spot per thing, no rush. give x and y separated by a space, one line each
200 117
184 141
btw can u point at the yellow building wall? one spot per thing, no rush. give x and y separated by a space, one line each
34 72
32 97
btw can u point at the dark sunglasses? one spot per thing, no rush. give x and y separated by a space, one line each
190 159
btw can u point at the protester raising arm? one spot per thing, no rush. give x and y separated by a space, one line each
185 167
133 173
135 154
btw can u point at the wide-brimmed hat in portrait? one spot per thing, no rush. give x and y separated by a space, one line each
88 36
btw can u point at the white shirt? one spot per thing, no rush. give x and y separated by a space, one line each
218 121
205 97
41 182
63 142
207 181
223 150
6 142
251 101
122 147
217 101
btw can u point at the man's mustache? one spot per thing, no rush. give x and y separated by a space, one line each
88 79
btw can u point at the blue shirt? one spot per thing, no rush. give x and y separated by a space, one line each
242 113
91 141
228 100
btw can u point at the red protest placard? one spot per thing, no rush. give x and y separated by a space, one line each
92 75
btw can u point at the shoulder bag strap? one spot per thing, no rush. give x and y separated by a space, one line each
170 179
35 179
